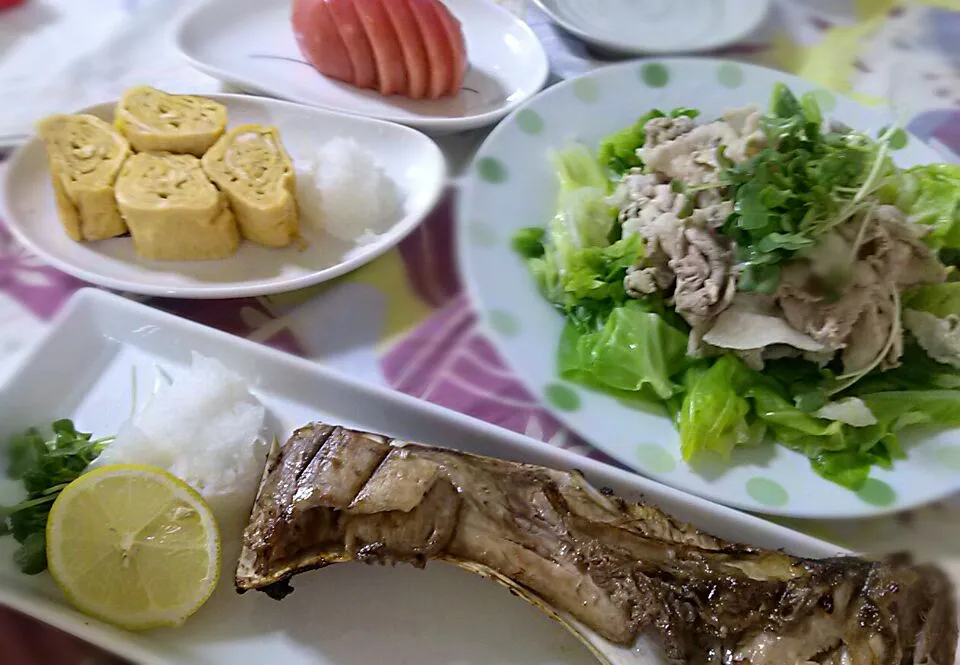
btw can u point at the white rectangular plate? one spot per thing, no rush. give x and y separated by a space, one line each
349 614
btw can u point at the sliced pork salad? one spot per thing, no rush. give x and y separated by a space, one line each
764 276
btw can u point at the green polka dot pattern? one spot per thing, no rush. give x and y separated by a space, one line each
949 457
586 90
561 397
529 122
655 458
492 170
877 493
504 323
767 492
730 75
654 74
481 234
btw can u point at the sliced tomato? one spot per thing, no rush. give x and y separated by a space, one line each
437 44
411 43
355 38
320 41
455 34
391 69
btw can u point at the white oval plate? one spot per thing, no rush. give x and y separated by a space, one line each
250 43
511 186
412 161
635 27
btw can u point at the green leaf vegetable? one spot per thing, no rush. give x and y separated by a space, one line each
731 405
803 183
575 265
931 313
941 300
45 465
618 152
714 415
931 195
634 350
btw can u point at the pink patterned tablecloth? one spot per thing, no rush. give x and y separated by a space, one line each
419 334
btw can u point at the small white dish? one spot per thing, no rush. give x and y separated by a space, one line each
250 43
511 185
412 160
637 27
349 614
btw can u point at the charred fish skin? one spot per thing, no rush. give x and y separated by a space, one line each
331 495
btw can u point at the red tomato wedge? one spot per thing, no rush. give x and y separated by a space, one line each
411 43
439 49
455 34
320 41
351 28
386 48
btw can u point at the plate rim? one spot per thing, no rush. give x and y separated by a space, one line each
126 644
407 224
634 49
468 182
436 125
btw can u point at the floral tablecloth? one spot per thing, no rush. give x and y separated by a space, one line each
402 321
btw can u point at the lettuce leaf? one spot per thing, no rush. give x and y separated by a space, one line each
584 218
849 468
635 350
587 279
931 195
528 242
575 265
576 167
941 300
845 454
728 405
899 409
715 416
880 446
618 152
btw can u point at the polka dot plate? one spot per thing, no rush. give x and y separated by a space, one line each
511 185
657 26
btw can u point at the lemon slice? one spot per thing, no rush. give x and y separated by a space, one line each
133 546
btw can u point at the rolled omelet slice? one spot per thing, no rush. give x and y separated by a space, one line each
153 120
173 210
85 155
250 164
